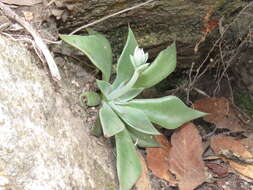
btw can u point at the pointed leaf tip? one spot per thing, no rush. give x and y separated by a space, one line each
168 112
110 122
125 68
164 64
96 47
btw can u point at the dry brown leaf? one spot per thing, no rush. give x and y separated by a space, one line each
219 170
248 143
244 169
185 159
221 113
157 159
143 182
21 2
219 144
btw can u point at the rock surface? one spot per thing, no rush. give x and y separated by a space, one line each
156 25
44 138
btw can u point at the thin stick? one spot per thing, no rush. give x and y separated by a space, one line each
109 16
38 40
200 74
51 2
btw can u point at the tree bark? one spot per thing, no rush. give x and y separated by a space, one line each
44 138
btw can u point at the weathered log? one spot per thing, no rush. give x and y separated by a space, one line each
44 138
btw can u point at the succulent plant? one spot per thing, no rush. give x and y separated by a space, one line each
121 116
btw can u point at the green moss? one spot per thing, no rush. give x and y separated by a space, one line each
243 99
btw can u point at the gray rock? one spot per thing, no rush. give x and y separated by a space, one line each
44 138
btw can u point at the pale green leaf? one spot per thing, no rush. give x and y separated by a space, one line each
142 139
164 64
136 118
97 48
125 68
128 163
104 87
169 112
92 98
110 122
130 94
93 32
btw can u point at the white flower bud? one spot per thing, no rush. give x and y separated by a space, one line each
139 57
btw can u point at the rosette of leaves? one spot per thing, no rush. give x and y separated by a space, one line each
121 116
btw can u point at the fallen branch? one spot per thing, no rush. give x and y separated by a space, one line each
38 40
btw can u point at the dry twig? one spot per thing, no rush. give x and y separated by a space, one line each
199 72
109 16
38 40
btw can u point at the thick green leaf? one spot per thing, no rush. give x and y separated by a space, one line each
169 112
92 98
93 32
142 139
125 68
110 122
164 64
128 163
96 130
124 87
130 95
104 87
97 48
136 118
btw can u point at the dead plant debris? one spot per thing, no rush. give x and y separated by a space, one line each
144 181
179 162
157 159
239 158
185 160
221 113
